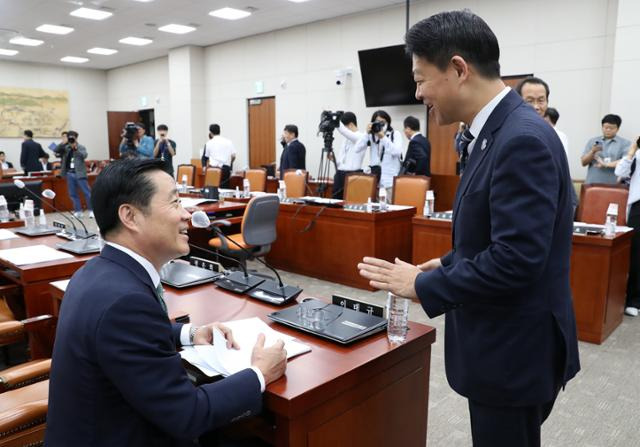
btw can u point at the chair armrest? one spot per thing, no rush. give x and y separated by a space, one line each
24 374
37 323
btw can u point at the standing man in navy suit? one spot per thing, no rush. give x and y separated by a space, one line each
293 151
116 377
418 157
510 332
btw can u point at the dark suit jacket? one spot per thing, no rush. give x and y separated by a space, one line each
30 156
419 150
293 157
116 378
9 164
510 337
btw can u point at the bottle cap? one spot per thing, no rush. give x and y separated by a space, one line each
430 194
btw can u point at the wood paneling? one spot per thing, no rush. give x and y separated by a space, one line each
262 131
115 123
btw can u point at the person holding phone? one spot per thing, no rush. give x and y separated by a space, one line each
602 153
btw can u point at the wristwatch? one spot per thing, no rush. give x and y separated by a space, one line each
192 334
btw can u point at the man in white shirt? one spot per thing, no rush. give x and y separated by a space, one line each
350 157
221 153
552 116
3 160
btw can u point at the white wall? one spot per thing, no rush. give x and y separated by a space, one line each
87 103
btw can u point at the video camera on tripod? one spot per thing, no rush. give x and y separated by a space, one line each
329 121
130 133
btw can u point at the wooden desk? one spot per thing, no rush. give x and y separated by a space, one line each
12 224
366 394
35 278
337 240
599 269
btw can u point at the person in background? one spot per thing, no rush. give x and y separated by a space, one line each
602 153
165 148
418 158
30 154
44 162
386 149
73 155
143 144
349 160
628 167
535 92
293 151
3 161
220 153
552 116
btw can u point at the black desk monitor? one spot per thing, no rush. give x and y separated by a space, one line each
15 196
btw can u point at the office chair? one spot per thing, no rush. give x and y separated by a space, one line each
189 171
595 199
296 183
358 187
257 179
258 231
23 414
212 176
410 190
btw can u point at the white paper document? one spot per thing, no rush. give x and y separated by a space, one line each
218 359
619 228
32 255
6 234
62 284
189 202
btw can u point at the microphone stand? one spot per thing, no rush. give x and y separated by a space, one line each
39 230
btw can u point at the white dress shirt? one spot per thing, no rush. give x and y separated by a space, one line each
564 140
483 115
155 279
5 165
623 169
351 156
219 150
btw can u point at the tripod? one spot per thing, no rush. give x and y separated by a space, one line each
324 169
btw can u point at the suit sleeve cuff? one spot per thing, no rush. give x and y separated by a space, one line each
184 335
260 378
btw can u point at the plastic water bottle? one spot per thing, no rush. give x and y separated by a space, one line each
246 188
42 219
29 217
612 220
237 192
4 210
282 190
398 318
184 182
382 198
429 202
369 208
21 211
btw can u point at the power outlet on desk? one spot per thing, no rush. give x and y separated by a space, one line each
358 306
205 264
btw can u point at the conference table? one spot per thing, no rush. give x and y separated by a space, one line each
598 276
327 243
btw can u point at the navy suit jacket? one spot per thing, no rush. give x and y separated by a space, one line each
30 156
510 331
419 150
116 378
293 157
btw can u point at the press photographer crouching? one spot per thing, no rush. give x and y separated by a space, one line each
386 149
74 170
349 159
134 142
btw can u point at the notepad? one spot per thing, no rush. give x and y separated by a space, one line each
33 254
218 359
6 234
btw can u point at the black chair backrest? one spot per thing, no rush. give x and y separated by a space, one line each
259 222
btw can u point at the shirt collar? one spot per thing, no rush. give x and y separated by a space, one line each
483 115
144 262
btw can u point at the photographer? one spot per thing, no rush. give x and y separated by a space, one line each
136 144
386 149
418 156
350 159
165 149
73 168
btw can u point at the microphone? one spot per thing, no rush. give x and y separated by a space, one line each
269 290
49 194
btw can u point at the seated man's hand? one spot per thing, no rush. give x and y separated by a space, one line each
271 361
204 335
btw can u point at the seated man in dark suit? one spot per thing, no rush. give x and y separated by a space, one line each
418 155
4 164
510 330
116 378
293 151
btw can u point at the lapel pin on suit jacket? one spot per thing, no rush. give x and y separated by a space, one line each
484 144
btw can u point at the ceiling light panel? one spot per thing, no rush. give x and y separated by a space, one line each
91 14
26 41
137 41
102 51
4 52
54 29
229 13
74 59
176 29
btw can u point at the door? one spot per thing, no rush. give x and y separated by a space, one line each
262 131
115 124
